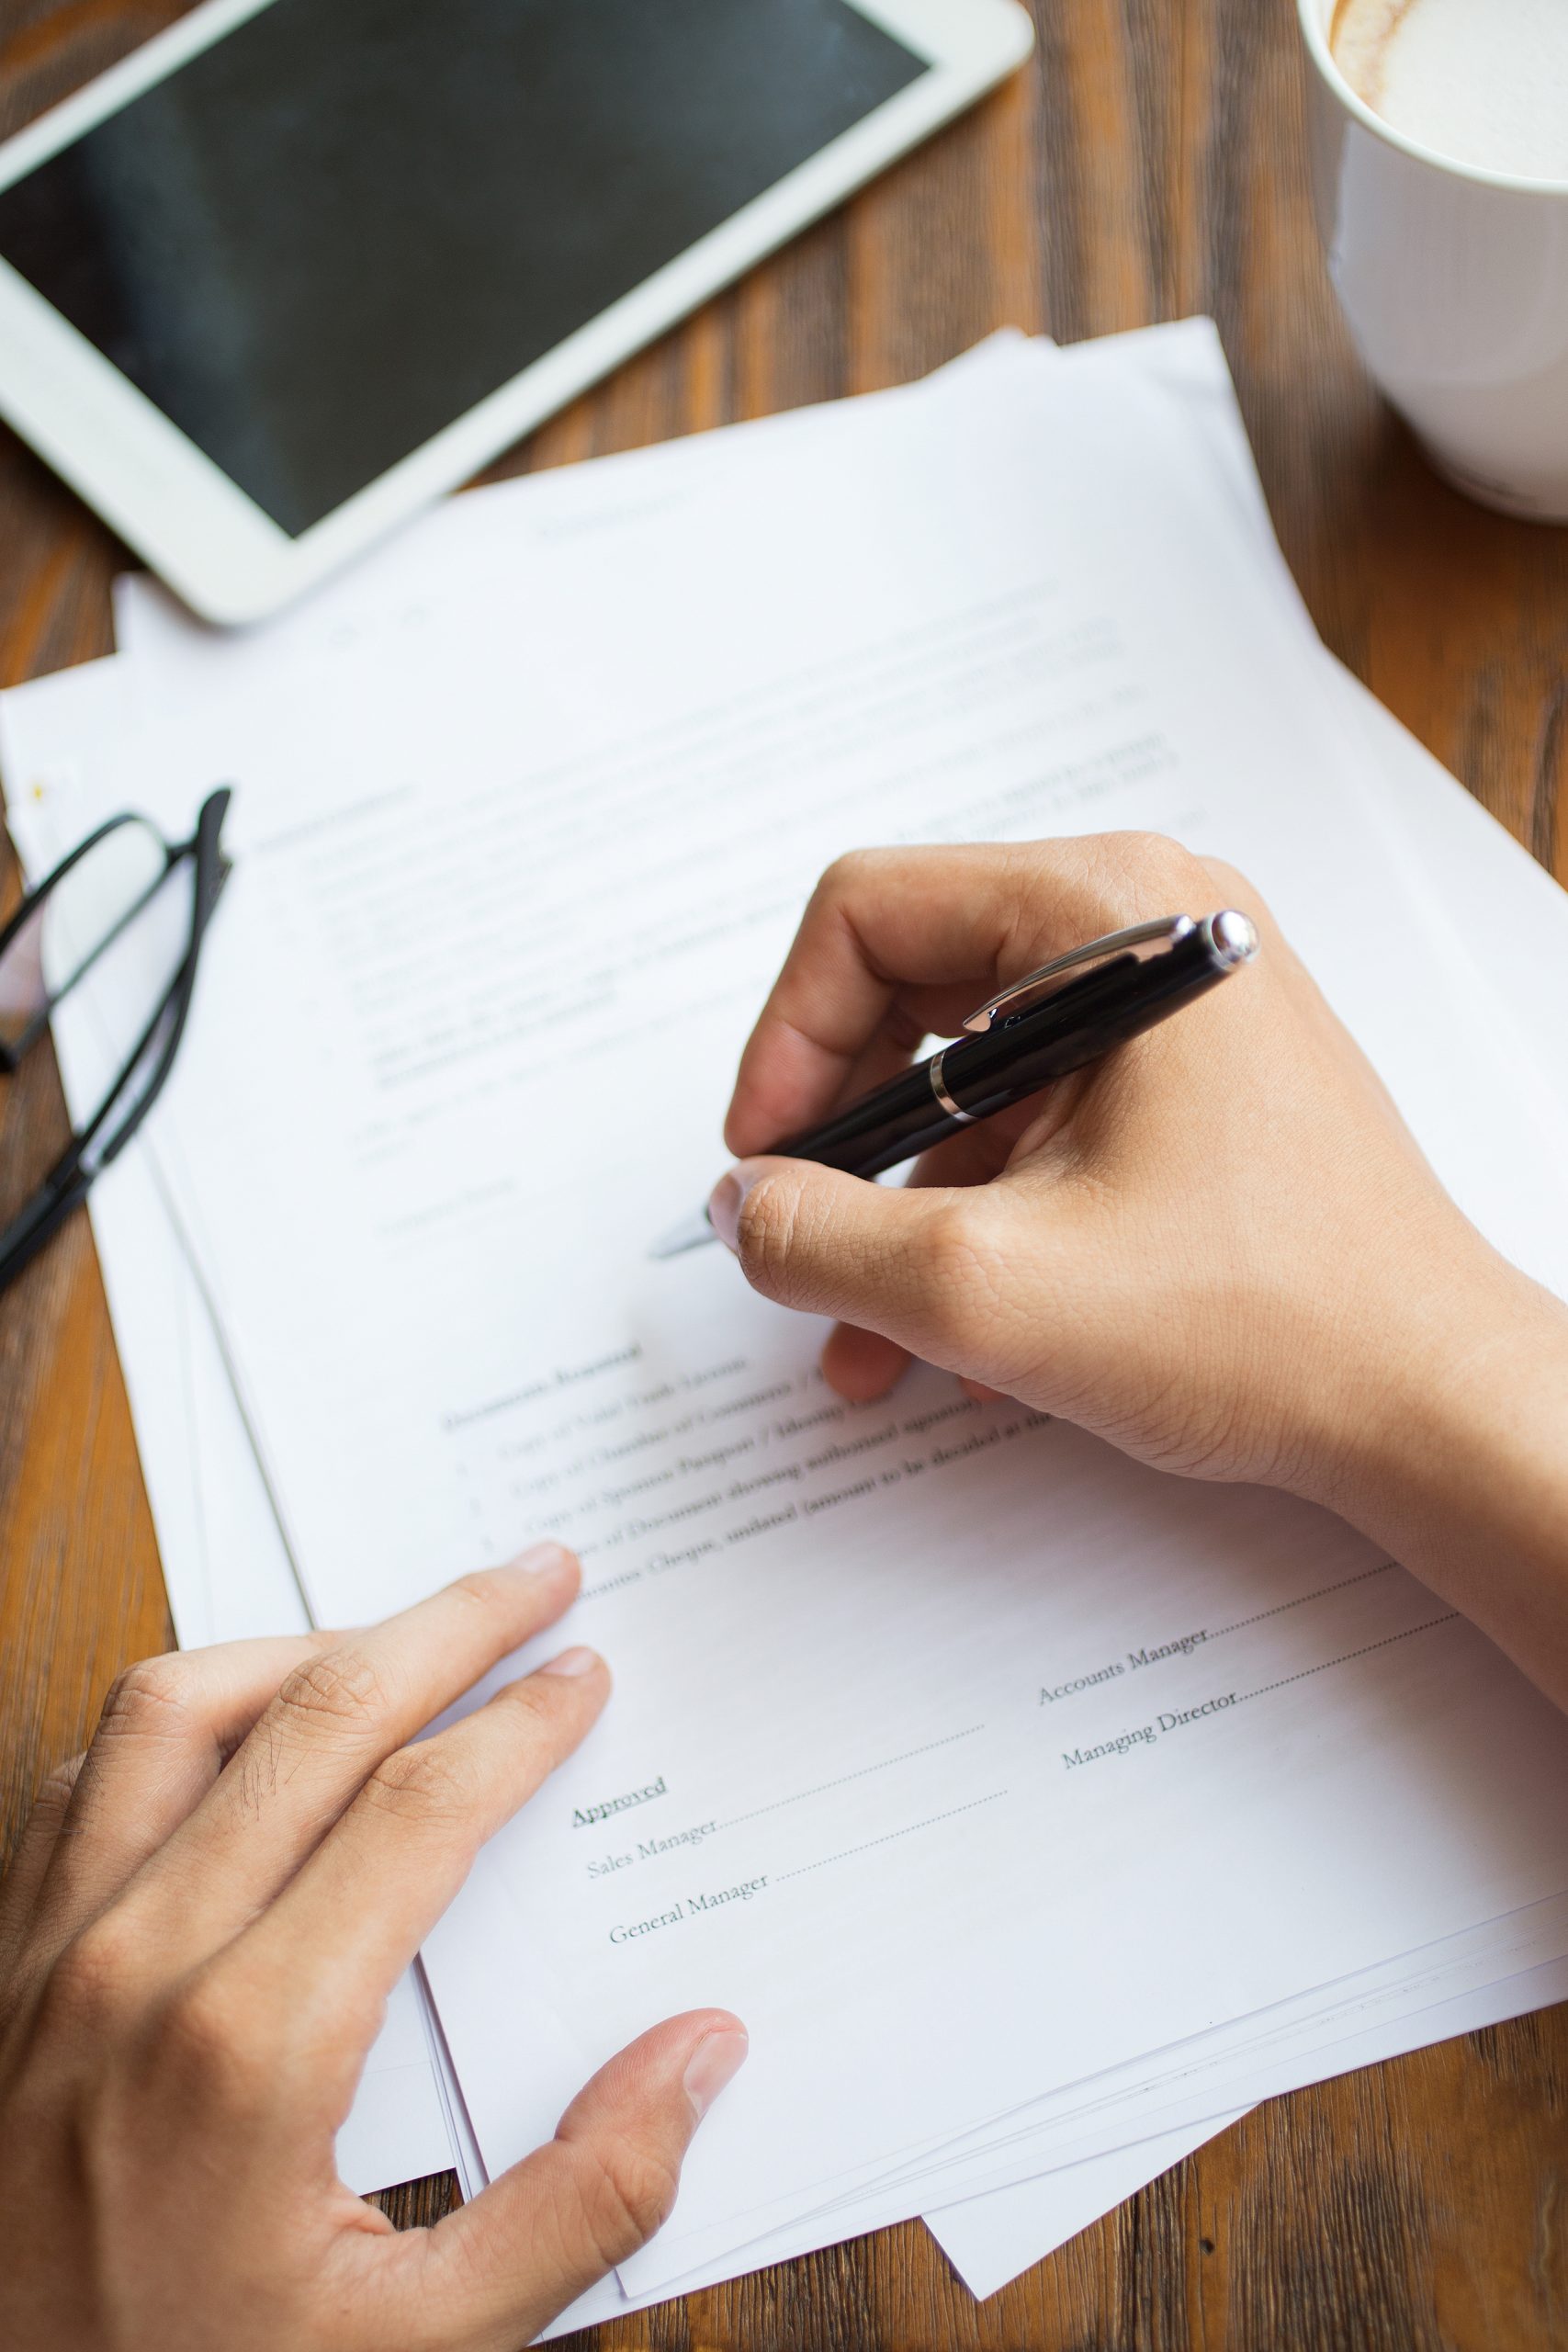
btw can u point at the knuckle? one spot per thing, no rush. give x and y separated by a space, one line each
532 1703
543 1713
423 1785
963 1272
476 1588
856 878
844 878
1233 885
207 2039
94 1979
342 1692
151 1698
630 2194
765 1236
1145 849
56 1792
1090 884
1140 871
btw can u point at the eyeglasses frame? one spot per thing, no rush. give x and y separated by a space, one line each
65 1188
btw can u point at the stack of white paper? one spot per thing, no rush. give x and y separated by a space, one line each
526 810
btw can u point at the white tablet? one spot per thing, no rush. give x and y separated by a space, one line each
295 266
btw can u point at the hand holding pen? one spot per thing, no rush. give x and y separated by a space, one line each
1111 1249
1216 1246
1070 1013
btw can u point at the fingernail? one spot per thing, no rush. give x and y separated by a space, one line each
717 2059
577 1661
727 1200
546 1560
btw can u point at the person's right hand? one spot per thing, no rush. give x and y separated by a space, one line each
1220 1248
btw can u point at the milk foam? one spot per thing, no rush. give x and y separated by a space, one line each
1483 81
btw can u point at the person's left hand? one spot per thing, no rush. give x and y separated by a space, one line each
197 1936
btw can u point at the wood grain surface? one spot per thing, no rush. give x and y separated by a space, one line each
1148 164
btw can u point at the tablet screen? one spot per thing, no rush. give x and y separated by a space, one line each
328 235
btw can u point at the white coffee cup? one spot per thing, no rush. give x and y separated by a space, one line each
1455 282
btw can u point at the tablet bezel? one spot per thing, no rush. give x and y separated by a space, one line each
215 545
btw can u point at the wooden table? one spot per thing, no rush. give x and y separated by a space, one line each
1148 164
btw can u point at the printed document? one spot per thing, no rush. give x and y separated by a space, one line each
495 958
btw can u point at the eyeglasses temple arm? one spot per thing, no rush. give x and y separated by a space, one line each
38 1223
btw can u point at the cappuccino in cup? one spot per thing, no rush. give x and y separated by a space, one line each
1483 82
1439 153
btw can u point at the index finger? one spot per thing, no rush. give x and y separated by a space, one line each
936 930
167 1728
326 1729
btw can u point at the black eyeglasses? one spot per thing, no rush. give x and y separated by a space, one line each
134 908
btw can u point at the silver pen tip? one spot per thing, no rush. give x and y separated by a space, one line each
691 1233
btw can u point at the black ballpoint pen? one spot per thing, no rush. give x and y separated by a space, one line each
1044 1026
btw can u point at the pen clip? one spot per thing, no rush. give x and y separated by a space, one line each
1024 993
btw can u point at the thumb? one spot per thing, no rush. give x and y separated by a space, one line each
894 1258
545 2231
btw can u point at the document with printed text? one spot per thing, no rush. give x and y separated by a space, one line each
909 1696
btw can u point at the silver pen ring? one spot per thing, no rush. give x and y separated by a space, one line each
939 1088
